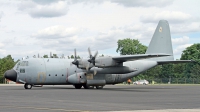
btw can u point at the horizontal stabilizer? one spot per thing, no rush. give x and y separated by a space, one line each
124 58
174 61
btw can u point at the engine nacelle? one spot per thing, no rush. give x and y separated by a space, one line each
77 78
103 62
83 63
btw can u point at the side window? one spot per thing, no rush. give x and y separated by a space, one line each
22 70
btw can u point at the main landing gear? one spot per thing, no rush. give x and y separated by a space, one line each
27 86
79 86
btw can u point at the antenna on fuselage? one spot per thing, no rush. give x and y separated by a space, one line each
50 55
23 58
63 56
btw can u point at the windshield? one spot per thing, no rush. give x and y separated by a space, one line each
24 63
20 63
16 65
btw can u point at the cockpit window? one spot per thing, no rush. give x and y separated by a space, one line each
24 63
20 63
16 66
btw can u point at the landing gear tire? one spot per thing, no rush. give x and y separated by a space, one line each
78 86
88 87
27 86
99 87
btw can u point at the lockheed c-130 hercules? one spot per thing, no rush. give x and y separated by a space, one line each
95 71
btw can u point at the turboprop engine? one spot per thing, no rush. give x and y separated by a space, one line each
104 62
101 62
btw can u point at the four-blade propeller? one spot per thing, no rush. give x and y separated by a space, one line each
92 58
75 62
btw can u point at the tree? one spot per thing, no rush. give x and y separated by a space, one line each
6 63
55 56
72 56
130 46
167 71
192 53
178 70
152 73
68 57
45 56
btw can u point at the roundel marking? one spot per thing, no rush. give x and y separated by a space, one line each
160 29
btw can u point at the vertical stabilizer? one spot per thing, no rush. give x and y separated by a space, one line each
161 41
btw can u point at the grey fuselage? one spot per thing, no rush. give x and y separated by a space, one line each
52 71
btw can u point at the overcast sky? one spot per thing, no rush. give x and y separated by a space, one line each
29 27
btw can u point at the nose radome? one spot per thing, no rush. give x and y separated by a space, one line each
11 75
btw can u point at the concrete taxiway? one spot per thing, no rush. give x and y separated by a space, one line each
112 98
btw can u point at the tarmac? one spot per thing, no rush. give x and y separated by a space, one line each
112 98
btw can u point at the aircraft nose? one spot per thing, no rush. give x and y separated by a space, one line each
11 75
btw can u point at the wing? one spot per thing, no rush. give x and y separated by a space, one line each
137 57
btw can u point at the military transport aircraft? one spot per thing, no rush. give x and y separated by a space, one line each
95 71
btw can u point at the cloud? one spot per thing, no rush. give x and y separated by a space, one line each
143 3
178 50
180 41
36 10
1 45
63 39
1 15
171 16
56 32
44 2
2 52
85 1
179 22
185 28
133 28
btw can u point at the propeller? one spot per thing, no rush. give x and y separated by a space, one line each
92 58
75 62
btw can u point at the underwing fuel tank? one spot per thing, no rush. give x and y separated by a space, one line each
77 78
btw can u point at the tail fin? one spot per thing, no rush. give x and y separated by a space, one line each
161 41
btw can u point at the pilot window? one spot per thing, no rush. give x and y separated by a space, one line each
16 66
22 70
24 63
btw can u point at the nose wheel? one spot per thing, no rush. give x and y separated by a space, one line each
27 86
